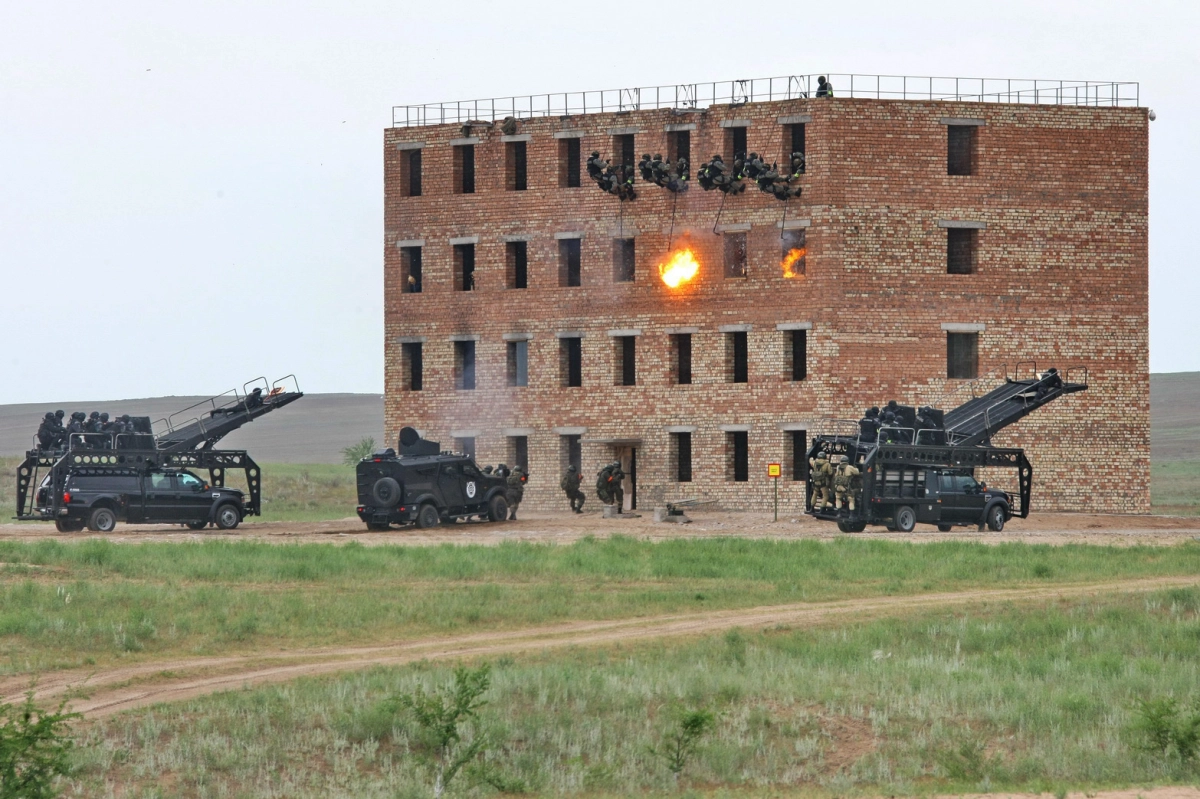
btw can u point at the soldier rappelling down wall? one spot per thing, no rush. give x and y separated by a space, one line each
716 174
660 172
782 186
569 483
514 491
617 180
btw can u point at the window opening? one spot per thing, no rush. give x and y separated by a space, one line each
736 140
466 446
518 363
464 267
464 166
960 149
623 150
799 445
413 166
517 173
569 257
410 267
518 452
679 145
683 456
626 351
735 254
737 357
412 364
570 452
517 264
568 163
797 143
681 345
795 253
464 365
962 356
570 351
799 354
961 247
623 260
737 445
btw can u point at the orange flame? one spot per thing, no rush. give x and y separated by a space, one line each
790 260
679 268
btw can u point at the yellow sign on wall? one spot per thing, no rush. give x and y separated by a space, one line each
773 470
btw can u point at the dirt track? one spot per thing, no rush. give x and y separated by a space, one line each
1043 528
106 692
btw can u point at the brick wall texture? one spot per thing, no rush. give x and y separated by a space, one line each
1061 280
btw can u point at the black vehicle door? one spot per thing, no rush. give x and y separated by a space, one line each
970 499
450 484
192 501
949 490
160 496
473 487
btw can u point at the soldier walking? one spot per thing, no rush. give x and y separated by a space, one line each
603 485
822 477
515 491
616 480
569 483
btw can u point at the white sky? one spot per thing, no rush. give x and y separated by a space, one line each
191 193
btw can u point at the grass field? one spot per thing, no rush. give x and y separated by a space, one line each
1021 698
94 602
1175 488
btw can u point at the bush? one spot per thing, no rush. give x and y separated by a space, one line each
1163 729
679 744
35 748
354 453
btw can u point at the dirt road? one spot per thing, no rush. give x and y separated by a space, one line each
106 692
1043 528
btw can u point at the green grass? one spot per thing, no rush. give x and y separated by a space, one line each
1175 488
1003 698
64 604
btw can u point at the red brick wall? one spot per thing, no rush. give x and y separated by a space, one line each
1061 280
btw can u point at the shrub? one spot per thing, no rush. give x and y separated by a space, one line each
1162 728
35 748
354 453
679 744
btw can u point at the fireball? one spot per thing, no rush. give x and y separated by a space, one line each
790 260
679 268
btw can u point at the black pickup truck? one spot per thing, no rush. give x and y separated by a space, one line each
98 499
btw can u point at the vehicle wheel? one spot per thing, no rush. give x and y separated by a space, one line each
995 518
497 509
377 527
385 492
227 517
68 525
196 525
428 517
102 520
851 527
945 528
906 519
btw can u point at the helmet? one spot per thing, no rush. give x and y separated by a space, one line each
844 459
49 414
104 417
821 455
59 414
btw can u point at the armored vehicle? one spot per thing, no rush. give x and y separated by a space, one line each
426 486
146 473
920 466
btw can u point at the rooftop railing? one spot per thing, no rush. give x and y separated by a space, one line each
696 96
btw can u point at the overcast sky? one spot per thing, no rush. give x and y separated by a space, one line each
191 193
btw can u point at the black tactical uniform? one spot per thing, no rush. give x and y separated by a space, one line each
570 484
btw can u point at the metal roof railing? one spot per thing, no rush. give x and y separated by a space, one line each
695 96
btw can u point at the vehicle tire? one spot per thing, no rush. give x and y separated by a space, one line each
497 508
428 517
102 520
386 492
227 517
68 525
378 527
906 519
196 525
995 518
945 528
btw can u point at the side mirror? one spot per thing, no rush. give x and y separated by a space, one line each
200 487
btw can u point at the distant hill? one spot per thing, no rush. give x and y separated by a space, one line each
1175 417
317 427
314 429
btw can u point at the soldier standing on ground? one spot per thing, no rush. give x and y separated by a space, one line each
515 491
603 485
570 484
822 476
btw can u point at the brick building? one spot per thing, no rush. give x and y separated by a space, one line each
944 239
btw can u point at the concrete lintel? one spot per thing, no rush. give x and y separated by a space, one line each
734 328
570 234
411 339
633 331
517 237
517 137
682 428
517 337
465 337
465 433
738 227
787 426
678 126
568 134
962 223
795 119
794 224
794 326
465 140
972 121
625 233
735 123
411 243
963 327
623 131
569 334
410 145
456 240
571 431
735 428
518 431
675 331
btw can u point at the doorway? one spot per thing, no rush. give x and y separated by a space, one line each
627 456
